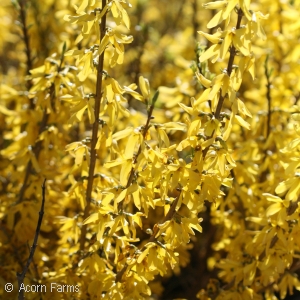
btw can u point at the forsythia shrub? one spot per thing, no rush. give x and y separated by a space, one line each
143 180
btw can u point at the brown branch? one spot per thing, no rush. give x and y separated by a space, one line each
23 18
172 22
268 95
172 209
35 266
21 276
36 148
135 158
229 70
95 129
145 130
194 19
43 31
139 41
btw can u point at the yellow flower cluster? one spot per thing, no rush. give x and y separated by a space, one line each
138 174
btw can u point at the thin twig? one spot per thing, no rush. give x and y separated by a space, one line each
229 70
36 148
135 158
268 95
142 36
34 264
21 276
23 18
172 209
95 129
171 24
194 19
130 179
43 31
